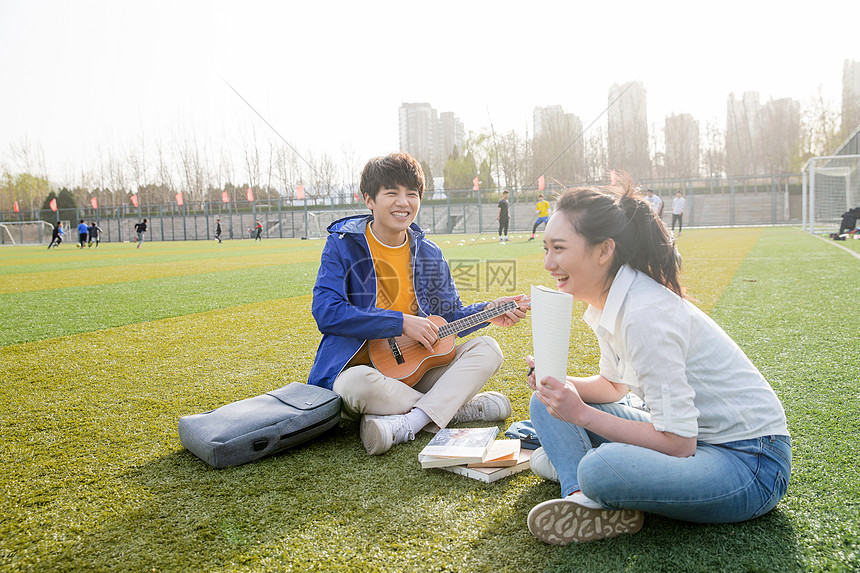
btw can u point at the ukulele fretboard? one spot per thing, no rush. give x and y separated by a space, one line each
475 319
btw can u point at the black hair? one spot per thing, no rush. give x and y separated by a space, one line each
641 239
391 171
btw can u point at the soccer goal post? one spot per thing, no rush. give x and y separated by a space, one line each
26 232
831 186
314 230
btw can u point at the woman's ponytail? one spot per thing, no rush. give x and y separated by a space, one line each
655 253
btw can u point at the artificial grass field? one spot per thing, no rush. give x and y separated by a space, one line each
101 351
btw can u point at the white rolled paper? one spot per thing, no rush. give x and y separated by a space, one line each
551 311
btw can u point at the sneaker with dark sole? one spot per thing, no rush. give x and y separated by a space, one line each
562 521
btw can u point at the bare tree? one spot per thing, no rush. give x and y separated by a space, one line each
287 169
514 159
137 165
251 154
819 127
164 176
596 156
780 135
225 174
29 158
193 167
714 156
682 146
117 178
323 175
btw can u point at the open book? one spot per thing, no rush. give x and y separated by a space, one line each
551 311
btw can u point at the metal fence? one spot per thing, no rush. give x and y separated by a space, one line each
728 201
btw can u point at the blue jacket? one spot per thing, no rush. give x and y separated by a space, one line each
344 304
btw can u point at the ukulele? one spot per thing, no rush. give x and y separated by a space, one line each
406 360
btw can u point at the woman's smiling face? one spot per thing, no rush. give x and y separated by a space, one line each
579 269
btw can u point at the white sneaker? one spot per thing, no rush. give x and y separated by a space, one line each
379 433
578 518
484 407
541 466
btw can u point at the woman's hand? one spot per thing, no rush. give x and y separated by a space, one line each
561 398
511 317
530 376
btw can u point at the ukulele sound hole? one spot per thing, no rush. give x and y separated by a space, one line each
395 350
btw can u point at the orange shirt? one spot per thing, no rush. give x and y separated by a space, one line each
393 265
394 289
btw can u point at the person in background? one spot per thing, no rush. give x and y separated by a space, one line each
57 235
678 204
140 229
380 277
543 210
83 234
655 202
713 445
94 232
258 227
504 216
218 230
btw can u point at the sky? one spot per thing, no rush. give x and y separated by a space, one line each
84 78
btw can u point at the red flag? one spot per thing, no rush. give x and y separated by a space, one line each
612 178
94 202
53 205
15 207
475 186
225 197
354 194
179 199
250 194
541 183
134 199
300 192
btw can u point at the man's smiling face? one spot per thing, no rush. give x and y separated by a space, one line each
393 211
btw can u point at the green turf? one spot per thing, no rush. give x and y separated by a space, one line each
94 478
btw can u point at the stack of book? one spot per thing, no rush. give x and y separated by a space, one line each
475 453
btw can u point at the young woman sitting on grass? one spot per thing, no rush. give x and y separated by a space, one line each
712 445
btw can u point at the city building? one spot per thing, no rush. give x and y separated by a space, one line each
627 139
558 149
761 138
682 146
742 131
850 96
429 136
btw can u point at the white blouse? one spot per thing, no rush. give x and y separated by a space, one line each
696 381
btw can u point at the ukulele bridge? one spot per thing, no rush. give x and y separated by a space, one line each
395 350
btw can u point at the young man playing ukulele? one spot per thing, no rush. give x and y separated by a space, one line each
379 279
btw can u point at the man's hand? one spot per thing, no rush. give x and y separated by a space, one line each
421 330
511 317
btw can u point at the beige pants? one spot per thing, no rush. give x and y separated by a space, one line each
439 393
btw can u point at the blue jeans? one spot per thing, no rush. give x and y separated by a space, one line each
721 483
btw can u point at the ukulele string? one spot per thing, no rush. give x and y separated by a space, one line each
467 322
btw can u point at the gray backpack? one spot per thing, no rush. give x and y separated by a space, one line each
250 429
